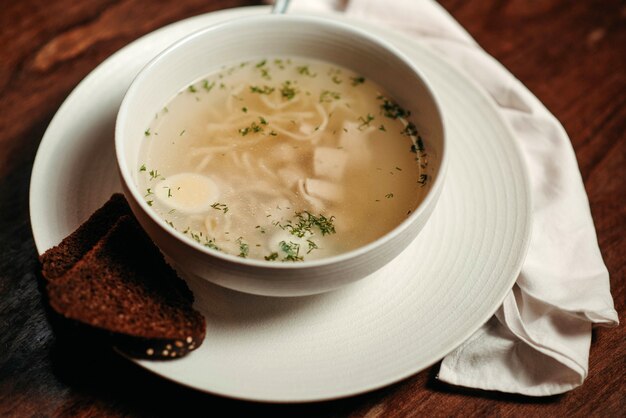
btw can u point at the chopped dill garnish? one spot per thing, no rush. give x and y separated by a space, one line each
328 96
279 63
171 211
273 133
420 143
292 251
287 90
261 90
398 168
220 206
365 121
312 246
150 202
254 127
382 128
169 191
244 109
147 132
196 236
409 130
154 174
222 86
305 70
192 89
264 71
357 80
389 195
142 168
244 249
170 223
306 221
336 79
392 110
148 192
182 132
262 120
210 243
208 86
271 257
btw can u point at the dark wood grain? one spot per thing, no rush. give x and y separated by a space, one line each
570 54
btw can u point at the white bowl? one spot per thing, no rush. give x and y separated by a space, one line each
265 36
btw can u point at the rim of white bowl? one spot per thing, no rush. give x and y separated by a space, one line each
126 177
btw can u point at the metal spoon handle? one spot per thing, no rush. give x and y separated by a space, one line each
280 6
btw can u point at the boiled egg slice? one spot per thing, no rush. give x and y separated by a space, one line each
187 192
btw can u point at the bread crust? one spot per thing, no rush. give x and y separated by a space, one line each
122 286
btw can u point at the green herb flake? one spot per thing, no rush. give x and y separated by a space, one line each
292 251
220 206
409 130
420 143
142 168
306 222
244 248
357 80
305 70
271 257
210 243
208 86
389 195
254 127
147 132
287 90
365 121
192 89
182 132
382 128
261 90
312 246
148 192
336 79
328 96
244 109
154 174
392 110
150 202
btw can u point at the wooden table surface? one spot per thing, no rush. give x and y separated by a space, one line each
572 55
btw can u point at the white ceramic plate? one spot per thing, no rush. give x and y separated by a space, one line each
380 330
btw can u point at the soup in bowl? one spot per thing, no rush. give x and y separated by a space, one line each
281 155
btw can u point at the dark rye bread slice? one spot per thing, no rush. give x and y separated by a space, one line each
57 260
124 286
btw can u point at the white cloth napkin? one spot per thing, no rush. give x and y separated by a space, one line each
538 341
